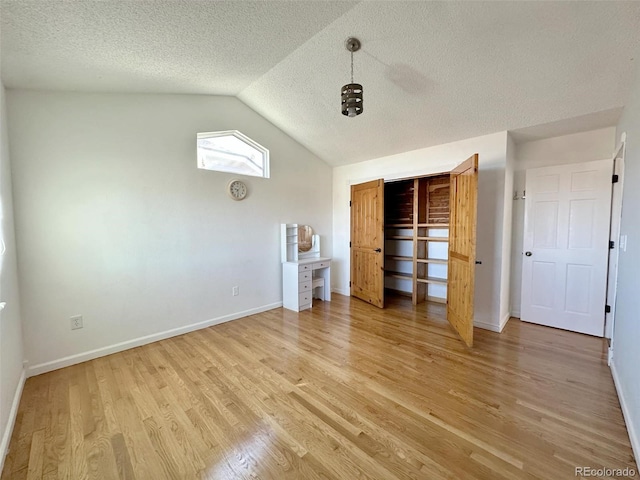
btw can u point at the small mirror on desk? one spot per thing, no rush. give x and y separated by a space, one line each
305 238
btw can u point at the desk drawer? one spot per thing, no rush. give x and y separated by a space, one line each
320 265
304 268
304 286
304 299
304 276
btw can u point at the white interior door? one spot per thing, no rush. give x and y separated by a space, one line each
566 246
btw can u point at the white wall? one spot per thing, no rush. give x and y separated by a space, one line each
565 149
441 158
507 234
115 222
626 335
11 354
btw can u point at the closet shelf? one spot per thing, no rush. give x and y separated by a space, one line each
403 275
432 260
433 239
399 258
399 237
399 221
399 225
436 280
434 225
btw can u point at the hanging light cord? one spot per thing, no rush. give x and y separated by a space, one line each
351 67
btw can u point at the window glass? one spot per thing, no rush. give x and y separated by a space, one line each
232 152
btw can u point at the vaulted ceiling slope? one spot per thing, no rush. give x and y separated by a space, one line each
433 72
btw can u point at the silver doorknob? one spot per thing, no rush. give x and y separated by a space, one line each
528 254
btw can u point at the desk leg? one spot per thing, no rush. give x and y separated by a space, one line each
326 274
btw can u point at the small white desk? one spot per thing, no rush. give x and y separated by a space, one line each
297 281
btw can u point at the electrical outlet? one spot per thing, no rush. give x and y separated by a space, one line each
76 322
235 291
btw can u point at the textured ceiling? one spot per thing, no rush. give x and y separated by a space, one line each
433 72
211 47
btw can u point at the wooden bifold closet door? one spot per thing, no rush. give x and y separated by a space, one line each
462 247
367 242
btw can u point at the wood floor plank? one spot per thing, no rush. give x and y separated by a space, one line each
344 390
123 461
143 457
36 456
77 459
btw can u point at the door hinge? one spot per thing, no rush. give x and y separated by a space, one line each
615 179
349 202
349 282
607 309
349 244
612 244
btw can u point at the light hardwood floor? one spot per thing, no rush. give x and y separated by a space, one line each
344 391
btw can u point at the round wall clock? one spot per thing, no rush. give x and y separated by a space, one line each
237 189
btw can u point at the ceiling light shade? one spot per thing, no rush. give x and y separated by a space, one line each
352 92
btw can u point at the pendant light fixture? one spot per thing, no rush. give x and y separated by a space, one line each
352 92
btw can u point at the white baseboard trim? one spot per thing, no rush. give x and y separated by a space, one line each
137 342
487 326
515 313
626 413
503 322
346 293
492 326
13 413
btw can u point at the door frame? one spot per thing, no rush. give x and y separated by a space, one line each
614 236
